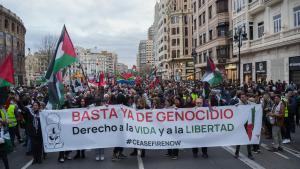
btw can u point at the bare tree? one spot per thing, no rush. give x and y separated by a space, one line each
47 46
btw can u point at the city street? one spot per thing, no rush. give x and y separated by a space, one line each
219 158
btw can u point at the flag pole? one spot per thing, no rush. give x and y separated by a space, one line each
84 75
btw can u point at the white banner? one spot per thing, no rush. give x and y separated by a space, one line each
121 126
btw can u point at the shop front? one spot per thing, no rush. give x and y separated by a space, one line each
231 72
261 71
247 72
294 69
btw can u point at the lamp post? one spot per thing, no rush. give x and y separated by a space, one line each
194 55
240 35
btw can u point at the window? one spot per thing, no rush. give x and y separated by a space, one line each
173 31
200 39
210 53
200 20
177 30
297 16
195 6
173 42
186 52
6 24
222 6
223 29
178 42
13 28
178 53
204 37
251 30
210 12
199 3
185 19
277 23
260 29
223 51
186 31
204 57
173 53
186 43
203 17
195 24
200 58
210 34
203 1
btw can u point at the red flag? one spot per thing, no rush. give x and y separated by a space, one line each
7 71
101 79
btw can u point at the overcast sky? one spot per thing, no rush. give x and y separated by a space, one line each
115 25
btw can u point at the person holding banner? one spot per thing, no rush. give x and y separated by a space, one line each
81 153
32 116
200 103
243 101
276 117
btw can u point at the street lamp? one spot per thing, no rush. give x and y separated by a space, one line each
240 35
194 55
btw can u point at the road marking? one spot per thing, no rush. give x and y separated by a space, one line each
268 148
295 151
140 161
291 152
27 165
244 159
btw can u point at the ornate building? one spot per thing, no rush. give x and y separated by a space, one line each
12 39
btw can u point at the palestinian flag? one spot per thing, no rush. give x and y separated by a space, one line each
7 71
63 57
212 75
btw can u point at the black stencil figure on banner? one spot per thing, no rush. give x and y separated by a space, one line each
53 129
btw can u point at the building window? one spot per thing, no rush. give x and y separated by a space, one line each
177 30
222 6
210 34
195 24
200 20
222 29
6 24
203 1
260 29
200 39
203 17
173 31
186 52
277 23
251 31
186 31
200 58
173 53
199 3
173 42
13 28
185 19
204 37
223 51
204 57
178 53
210 12
210 53
178 42
297 16
186 43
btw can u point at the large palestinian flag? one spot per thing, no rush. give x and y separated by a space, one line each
64 56
212 75
7 71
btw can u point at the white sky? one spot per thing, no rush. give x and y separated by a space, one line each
114 25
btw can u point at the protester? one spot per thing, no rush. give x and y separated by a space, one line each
3 124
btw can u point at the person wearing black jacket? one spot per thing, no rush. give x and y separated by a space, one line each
81 153
3 153
34 131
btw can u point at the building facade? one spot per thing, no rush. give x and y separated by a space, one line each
94 62
211 36
272 51
179 62
12 39
36 66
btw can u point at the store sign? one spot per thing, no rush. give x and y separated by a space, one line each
189 71
247 68
294 63
261 67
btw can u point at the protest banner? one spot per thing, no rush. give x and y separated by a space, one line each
121 126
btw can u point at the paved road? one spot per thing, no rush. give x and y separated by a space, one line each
219 158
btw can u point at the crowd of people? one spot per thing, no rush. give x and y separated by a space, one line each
280 103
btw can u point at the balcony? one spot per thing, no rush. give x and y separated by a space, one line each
271 2
256 6
274 40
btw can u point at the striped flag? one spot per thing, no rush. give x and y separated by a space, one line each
212 75
64 56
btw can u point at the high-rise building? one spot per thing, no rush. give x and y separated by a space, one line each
151 33
142 56
211 35
272 48
12 39
179 61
